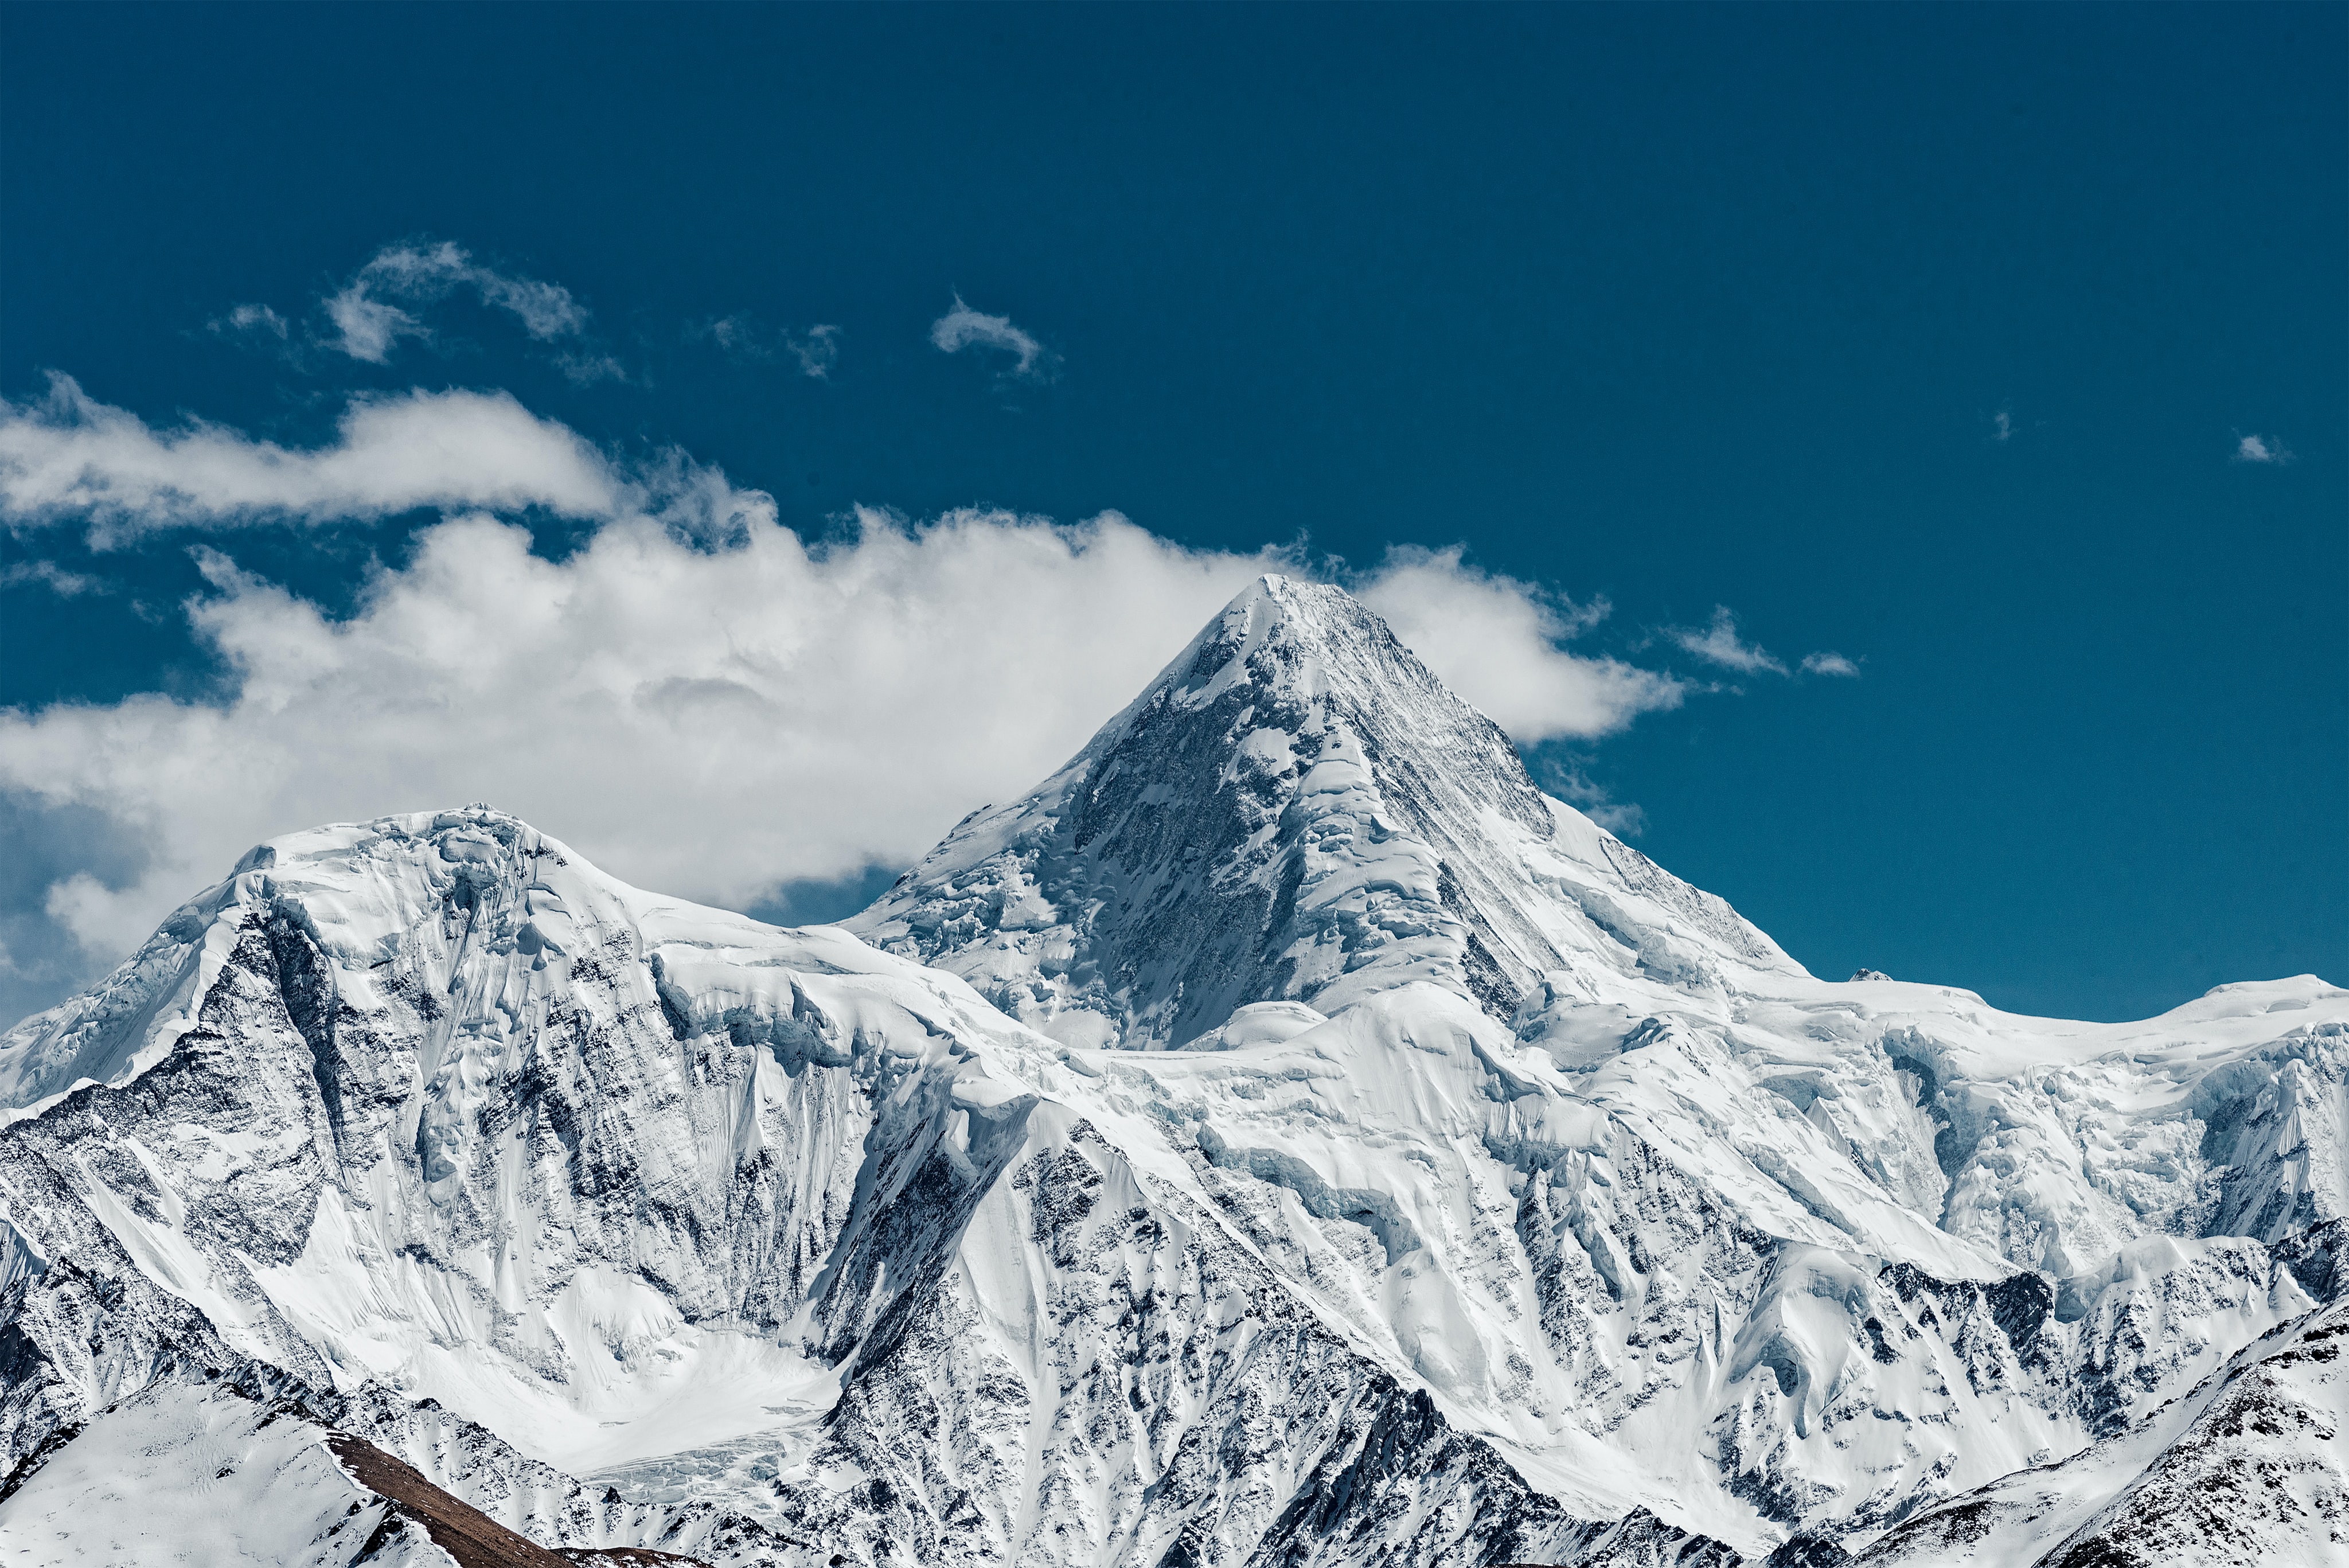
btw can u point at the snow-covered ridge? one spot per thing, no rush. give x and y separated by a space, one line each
1295 809
1287 1136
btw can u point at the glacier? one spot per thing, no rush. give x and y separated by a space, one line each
1285 1137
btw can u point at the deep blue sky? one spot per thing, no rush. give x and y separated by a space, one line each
1679 305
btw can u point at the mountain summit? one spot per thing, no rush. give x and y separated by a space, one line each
1286 1139
1295 810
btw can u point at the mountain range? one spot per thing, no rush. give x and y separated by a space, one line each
1286 1138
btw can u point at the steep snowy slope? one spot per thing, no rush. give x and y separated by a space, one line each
176 1474
2250 1466
1287 1137
1296 808
800 1248
1625 1172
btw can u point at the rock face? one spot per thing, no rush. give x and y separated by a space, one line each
1287 1137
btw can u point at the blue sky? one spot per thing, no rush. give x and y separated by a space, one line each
1998 351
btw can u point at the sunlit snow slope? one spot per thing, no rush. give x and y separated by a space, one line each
1288 1137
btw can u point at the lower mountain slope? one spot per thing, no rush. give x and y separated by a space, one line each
2249 1466
1287 1137
791 1248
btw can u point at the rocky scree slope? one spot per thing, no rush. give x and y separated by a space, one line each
1287 1136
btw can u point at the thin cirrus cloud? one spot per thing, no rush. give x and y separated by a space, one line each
372 313
1719 643
256 321
65 583
817 350
652 695
740 338
963 327
2261 449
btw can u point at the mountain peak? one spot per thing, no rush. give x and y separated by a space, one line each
1295 810
630 1220
1281 631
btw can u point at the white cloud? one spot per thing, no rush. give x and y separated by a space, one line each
1564 777
736 337
2261 449
708 722
817 351
1827 663
66 584
71 457
1718 643
368 328
1495 641
368 324
962 326
257 320
695 699
2002 425
586 368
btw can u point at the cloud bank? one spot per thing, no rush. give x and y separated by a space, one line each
696 698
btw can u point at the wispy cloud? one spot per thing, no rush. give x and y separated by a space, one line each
371 315
368 328
1564 777
255 320
741 339
1718 643
2261 449
70 458
588 367
2002 425
963 327
737 336
817 351
66 584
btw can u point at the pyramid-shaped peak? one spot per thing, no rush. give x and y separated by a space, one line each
1297 810
1304 641
1276 607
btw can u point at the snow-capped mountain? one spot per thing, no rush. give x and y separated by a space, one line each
1287 1136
